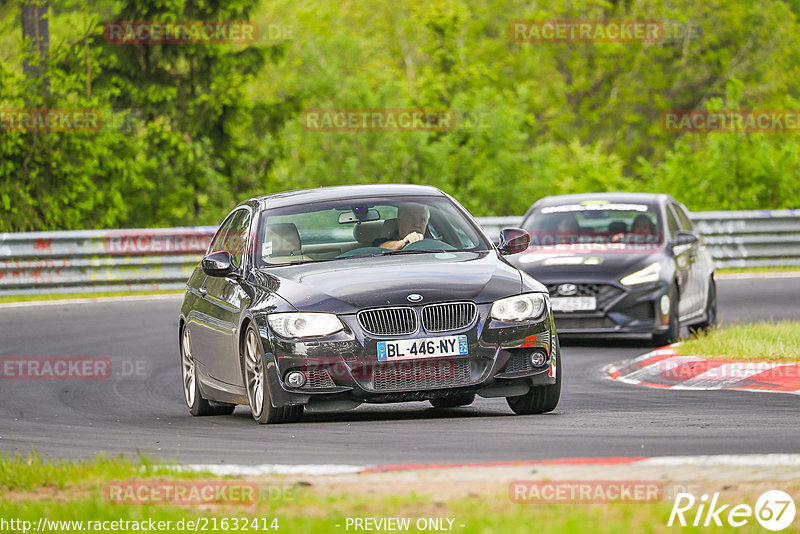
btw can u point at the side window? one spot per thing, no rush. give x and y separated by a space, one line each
672 221
235 240
219 237
686 222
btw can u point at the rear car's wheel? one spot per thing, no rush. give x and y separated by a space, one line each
455 401
540 399
673 332
191 390
711 310
256 382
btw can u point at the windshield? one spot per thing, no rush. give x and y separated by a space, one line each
595 226
348 228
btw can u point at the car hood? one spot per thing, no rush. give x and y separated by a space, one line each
348 285
553 267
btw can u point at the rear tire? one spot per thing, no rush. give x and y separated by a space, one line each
463 399
255 366
673 332
197 404
540 399
711 311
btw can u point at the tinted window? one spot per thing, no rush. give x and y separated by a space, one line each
236 237
683 217
219 237
672 221
597 222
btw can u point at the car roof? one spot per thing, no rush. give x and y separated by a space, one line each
650 198
322 194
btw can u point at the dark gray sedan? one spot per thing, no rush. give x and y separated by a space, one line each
620 264
328 298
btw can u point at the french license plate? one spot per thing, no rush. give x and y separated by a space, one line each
568 304
429 347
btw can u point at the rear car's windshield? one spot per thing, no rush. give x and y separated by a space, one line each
602 223
347 228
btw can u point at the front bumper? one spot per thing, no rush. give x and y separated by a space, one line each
622 311
344 368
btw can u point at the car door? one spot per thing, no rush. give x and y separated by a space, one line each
699 262
199 320
685 258
225 300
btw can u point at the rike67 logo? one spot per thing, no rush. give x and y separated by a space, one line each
774 510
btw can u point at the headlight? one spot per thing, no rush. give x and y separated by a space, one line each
291 325
646 276
520 308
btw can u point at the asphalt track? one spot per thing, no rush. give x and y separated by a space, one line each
143 412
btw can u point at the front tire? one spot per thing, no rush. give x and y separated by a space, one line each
540 399
198 405
255 376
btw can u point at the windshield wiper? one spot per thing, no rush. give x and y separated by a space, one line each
298 262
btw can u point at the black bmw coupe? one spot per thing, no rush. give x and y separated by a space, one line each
327 298
620 264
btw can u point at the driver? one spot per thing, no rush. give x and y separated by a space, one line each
412 220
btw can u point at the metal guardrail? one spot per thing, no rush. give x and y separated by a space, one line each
100 260
162 259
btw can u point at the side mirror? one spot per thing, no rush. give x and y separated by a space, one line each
219 264
513 241
685 238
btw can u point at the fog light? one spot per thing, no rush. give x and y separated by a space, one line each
295 379
665 305
538 359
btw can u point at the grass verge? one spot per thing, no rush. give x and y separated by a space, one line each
63 491
89 295
769 342
780 269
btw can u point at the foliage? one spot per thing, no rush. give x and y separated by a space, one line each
194 128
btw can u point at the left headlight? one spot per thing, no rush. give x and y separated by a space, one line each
519 308
647 275
296 325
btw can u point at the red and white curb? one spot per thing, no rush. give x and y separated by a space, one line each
665 368
721 460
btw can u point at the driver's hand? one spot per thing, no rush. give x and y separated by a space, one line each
617 238
413 237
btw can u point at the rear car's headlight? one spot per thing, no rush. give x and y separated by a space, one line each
647 275
298 324
519 308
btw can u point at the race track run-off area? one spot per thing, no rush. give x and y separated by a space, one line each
136 407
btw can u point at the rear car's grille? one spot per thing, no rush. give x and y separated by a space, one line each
421 374
642 312
583 323
388 321
448 316
604 293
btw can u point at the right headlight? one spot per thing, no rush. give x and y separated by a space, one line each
528 307
299 325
